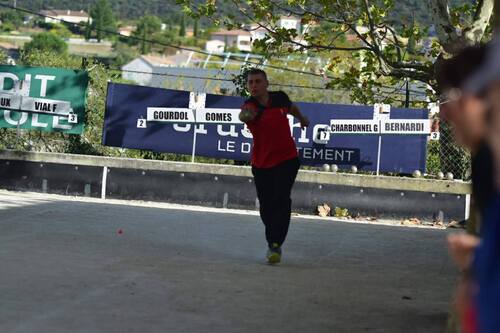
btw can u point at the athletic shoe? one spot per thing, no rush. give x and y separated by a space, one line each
274 254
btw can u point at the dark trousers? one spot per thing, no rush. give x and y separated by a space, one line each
274 186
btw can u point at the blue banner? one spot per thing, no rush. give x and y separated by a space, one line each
126 105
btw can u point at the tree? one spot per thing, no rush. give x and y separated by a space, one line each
381 51
46 41
182 29
124 54
384 46
102 18
88 30
12 18
195 29
147 26
4 58
7 27
60 30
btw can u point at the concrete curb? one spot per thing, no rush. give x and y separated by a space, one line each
305 176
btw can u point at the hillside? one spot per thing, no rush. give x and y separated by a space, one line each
167 9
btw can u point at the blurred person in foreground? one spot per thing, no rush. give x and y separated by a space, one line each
485 261
467 113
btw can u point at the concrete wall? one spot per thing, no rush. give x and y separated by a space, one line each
226 186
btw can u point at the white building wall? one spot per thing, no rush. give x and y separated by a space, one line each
71 19
214 46
138 65
244 43
289 24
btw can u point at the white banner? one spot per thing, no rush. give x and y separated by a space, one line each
219 116
381 112
406 126
435 136
355 126
384 126
43 105
10 101
171 115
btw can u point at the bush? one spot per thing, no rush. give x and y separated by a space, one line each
46 41
433 157
7 27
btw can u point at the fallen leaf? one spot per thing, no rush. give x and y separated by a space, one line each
324 210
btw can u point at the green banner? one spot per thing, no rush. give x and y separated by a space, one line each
53 99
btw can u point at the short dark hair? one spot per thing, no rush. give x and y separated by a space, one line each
453 72
256 71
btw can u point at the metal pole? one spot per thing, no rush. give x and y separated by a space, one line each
104 181
407 101
207 59
189 59
378 153
305 63
18 134
194 144
467 206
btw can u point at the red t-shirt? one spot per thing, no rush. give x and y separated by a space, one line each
272 139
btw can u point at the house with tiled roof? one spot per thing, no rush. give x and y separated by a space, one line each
72 16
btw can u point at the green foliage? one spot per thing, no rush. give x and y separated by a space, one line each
309 88
102 18
46 41
195 29
3 57
171 37
404 10
341 212
76 145
182 29
11 18
382 51
124 54
147 28
240 81
7 27
60 30
88 30
453 158
49 58
433 157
